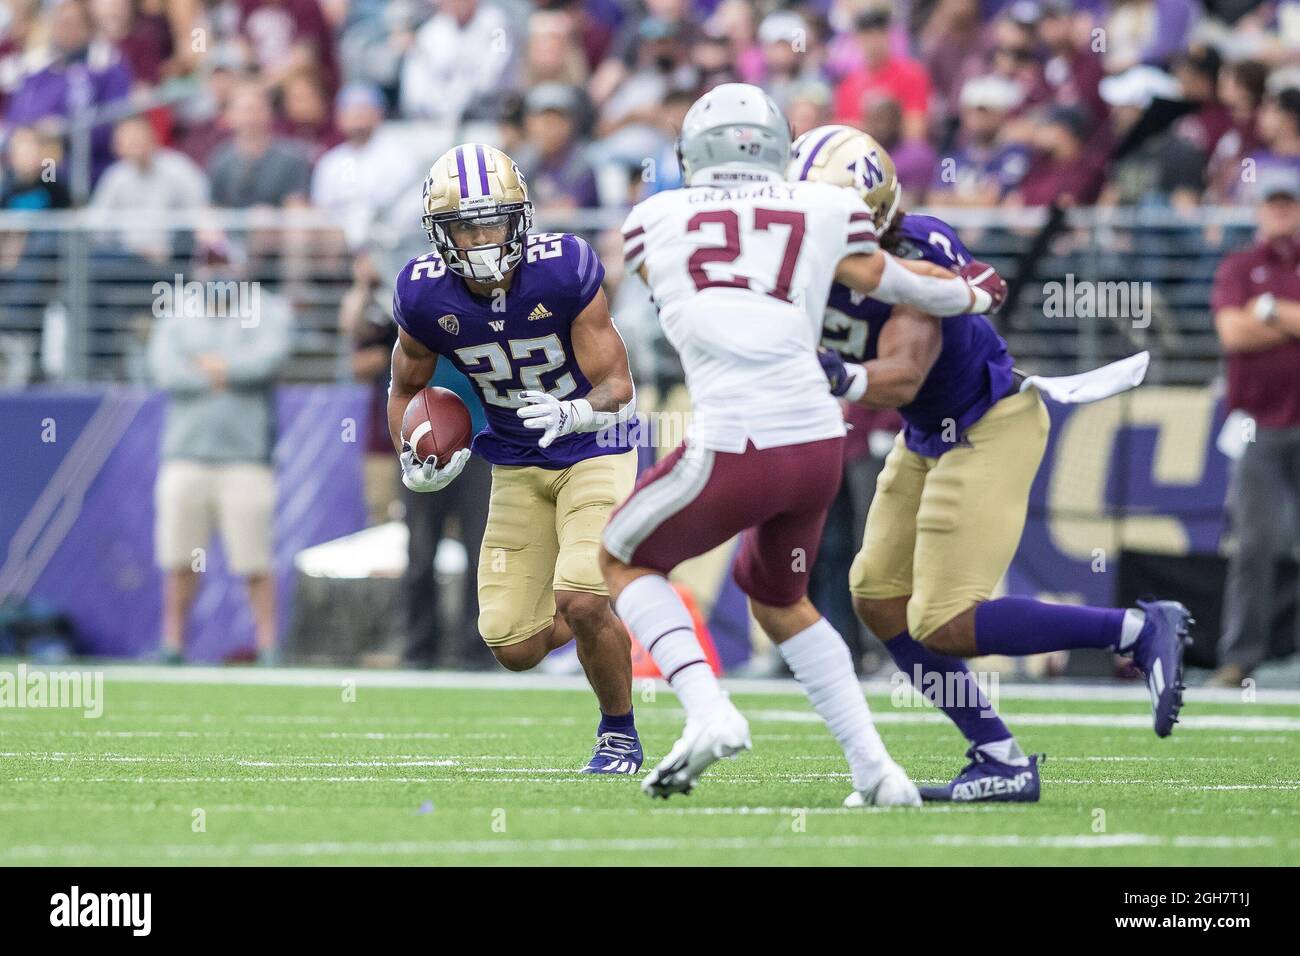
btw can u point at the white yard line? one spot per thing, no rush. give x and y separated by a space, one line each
455 680
505 846
1188 722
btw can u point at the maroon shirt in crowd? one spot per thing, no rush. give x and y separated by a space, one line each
1264 384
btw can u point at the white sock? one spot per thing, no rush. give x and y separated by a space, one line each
1006 751
653 612
1134 620
823 666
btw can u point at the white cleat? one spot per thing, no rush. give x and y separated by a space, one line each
893 789
722 734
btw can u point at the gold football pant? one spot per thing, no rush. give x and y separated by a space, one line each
543 535
944 530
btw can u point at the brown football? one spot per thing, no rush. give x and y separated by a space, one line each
436 423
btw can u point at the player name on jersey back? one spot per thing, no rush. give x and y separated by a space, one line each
740 273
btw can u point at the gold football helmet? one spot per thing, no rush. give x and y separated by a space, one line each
844 156
477 212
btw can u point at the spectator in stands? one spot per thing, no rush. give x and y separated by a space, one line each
1150 32
713 60
284 37
30 183
374 37
631 125
255 167
202 121
219 370
914 159
886 74
952 48
142 34
1256 302
1197 73
790 55
369 172
553 54
148 179
305 114
461 54
1073 68
552 161
985 166
807 106
658 39
1165 169
1279 131
1241 88
47 97
1013 48
15 37
30 180
1063 170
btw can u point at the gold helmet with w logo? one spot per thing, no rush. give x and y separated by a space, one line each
844 156
477 212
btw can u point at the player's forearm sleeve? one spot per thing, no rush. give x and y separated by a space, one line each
933 295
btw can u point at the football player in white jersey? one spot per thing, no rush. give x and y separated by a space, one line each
740 264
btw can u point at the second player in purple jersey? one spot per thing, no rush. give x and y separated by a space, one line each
515 341
973 370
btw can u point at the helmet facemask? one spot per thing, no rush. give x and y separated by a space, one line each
470 256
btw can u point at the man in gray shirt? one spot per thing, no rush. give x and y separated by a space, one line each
216 349
255 167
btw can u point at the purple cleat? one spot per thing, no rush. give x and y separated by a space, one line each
986 780
1158 653
616 753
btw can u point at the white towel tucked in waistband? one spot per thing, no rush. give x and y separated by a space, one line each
1095 385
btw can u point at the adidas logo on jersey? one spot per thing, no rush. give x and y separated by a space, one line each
539 312
450 323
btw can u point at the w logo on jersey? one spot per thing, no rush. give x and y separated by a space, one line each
868 170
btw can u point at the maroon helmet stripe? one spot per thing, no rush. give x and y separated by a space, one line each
634 253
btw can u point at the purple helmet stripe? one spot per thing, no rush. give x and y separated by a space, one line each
812 154
482 170
460 171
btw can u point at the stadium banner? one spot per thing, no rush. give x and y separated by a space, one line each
77 524
1138 472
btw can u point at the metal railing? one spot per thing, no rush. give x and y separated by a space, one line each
78 289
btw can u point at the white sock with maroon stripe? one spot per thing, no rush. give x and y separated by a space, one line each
822 665
654 613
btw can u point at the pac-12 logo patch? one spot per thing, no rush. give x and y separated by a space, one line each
450 323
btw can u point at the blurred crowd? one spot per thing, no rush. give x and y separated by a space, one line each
982 102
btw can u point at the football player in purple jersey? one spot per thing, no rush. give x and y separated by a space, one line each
950 504
524 317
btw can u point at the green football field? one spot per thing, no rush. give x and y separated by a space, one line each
195 766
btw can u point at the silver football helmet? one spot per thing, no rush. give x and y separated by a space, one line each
734 125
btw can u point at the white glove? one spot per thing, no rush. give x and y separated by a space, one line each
558 418
428 476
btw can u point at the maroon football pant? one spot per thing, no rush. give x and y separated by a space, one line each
696 498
